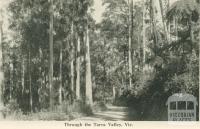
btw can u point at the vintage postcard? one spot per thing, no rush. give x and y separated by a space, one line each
99 63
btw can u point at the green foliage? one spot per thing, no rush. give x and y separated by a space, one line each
29 22
13 111
173 66
184 9
12 106
66 111
170 66
44 116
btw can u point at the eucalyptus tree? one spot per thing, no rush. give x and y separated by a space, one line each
80 22
1 65
78 69
144 32
130 42
115 25
51 54
199 44
32 21
88 76
128 33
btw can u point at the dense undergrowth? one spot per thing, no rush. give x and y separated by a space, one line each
66 111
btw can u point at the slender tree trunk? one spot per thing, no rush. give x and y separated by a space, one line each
144 36
30 81
72 75
163 21
176 29
11 80
199 55
42 74
72 59
126 69
78 69
144 42
89 98
123 86
114 92
139 53
23 74
130 44
60 75
153 22
1 67
199 58
104 70
104 82
169 31
191 29
51 55
169 36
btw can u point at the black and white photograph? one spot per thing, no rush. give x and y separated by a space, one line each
99 60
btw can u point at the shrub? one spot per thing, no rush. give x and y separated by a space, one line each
13 111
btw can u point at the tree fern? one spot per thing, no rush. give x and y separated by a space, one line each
183 9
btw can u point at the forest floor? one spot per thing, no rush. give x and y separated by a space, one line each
113 113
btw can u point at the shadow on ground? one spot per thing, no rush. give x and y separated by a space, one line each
113 113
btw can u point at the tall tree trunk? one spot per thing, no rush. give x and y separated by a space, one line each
72 59
42 74
144 36
78 69
11 80
176 28
22 75
60 75
164 21
139 53
1 67
130 43
104 70
169 31
51 55
199 55
104 82
89 98
30 81
126 69
153 22
191 30
72 75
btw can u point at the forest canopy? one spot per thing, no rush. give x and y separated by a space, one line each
56 58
